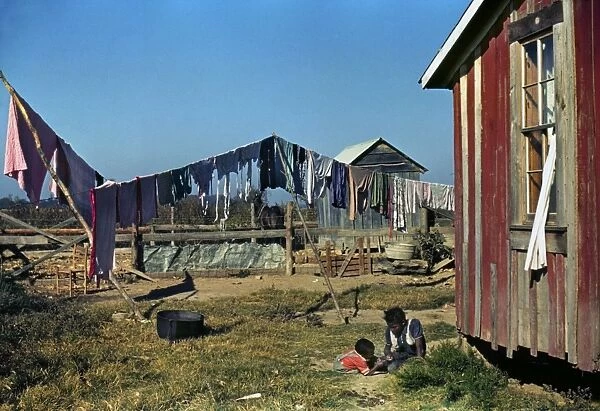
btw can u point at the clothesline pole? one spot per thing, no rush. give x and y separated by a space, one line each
63 188
312 244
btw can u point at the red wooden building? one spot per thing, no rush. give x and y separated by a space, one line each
525 77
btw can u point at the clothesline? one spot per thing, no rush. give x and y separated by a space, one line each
281 164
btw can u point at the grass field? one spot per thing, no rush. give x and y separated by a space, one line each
63 355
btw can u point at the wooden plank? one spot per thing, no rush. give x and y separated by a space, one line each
561 311
470 194
512 324
30 227
477 246
587 187
493 306
329 266
543 309
501 180
138 273
289 237
347 260
458 233
536 21
523 301
361 256
466 306
566 121
552 279
47 256
533 318
369 259
556 242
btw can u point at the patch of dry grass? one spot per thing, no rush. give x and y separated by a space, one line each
255 345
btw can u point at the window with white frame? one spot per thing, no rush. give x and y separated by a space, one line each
538 115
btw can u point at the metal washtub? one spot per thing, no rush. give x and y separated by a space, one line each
179 324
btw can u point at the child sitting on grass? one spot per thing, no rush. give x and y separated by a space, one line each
361 359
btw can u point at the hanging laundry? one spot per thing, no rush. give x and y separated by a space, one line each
339 185
21 159
322 174
399 203
76 175
247 156
360 180
164 182
379 193
202 173
127 203
290 157
182 183
104 215
287 153
147 206
266 163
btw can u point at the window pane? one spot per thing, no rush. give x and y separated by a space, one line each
548 102
535 152
531 106
547 58
535 184
530 73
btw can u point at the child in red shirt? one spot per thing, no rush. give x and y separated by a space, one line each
361 359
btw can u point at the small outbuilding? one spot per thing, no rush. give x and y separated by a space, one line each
525 76
379 155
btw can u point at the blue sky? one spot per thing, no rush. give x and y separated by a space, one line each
138 87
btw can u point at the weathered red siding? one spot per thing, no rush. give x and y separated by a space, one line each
587 60
458 220
470 236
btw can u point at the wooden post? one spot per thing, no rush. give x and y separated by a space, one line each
71 284
424 221
289 238
252 220
137 248
61 185
172 221
361 255
329 272
369 260
152 231
85 268
57 290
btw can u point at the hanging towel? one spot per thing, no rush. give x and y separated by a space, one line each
164 182
127 206
322 177
339 184
536 250
104 215
147 207
21 159
78 177
266 163
360 180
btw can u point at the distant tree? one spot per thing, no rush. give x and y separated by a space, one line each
11 201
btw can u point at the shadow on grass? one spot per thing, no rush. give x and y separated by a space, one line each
223 329
186 285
